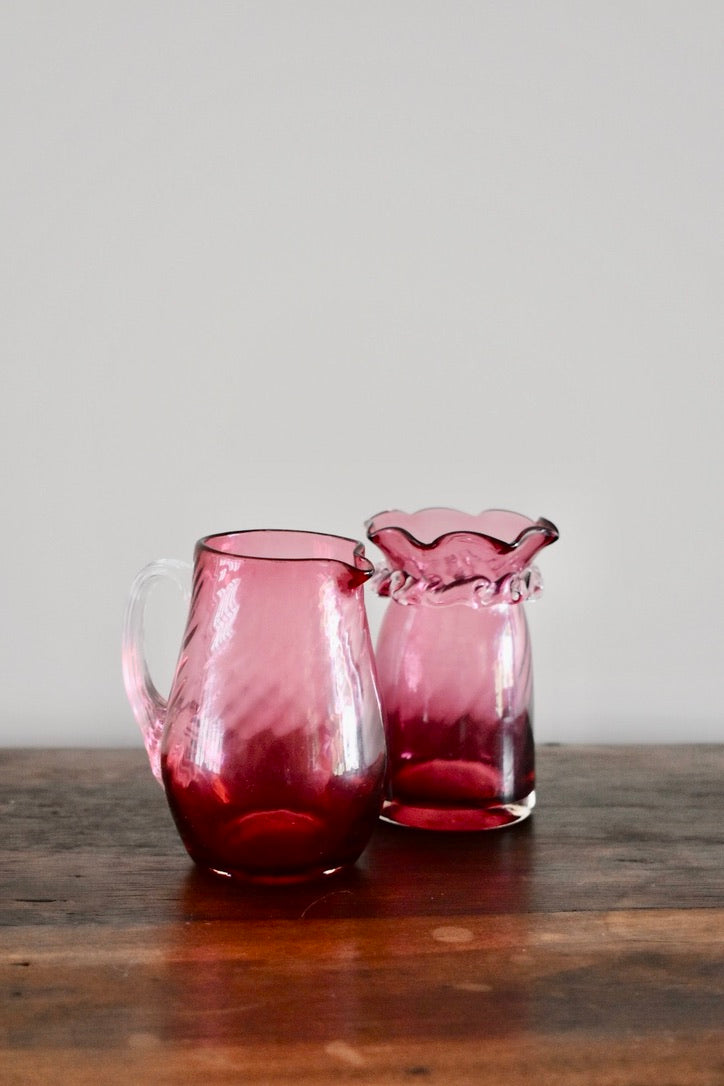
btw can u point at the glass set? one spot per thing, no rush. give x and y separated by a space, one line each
284 736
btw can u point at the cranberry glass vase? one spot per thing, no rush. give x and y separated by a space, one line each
271 745
454 665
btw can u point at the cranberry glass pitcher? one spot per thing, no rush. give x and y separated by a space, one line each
454 665
270 746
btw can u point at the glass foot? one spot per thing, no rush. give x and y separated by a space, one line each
452 817
272 848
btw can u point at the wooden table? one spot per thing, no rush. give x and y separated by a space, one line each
584 946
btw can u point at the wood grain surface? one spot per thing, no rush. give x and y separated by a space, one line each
583 946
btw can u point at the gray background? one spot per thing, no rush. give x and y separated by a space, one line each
286 264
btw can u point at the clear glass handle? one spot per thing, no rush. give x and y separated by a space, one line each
149 707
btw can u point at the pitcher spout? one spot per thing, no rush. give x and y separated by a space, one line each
363 568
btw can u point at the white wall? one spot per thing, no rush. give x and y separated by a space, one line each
285 264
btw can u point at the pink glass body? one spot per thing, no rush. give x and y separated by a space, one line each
454 665
271 746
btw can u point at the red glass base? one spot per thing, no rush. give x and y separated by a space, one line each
457 818
274 844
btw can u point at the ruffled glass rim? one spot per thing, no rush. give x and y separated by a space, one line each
542 527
